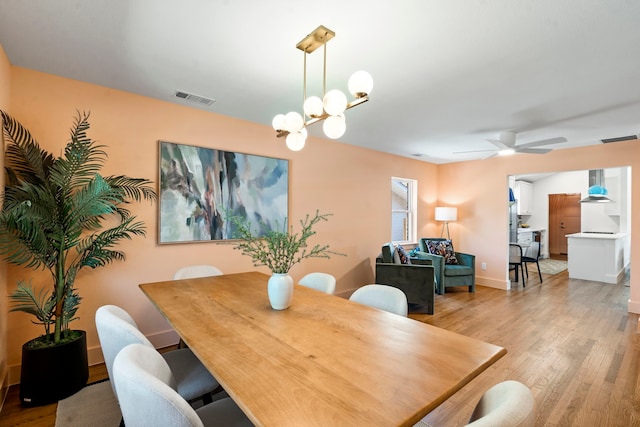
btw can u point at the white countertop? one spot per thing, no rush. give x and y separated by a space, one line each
524 230
596 236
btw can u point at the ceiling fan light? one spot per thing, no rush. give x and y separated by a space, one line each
293 121
335 102
360 84
295 141
278 122
313 107
334 126
506 152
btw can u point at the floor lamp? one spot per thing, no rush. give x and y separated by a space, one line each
447 215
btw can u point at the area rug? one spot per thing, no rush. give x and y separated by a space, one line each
551 266
95 405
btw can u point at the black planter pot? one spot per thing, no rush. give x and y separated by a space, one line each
50 374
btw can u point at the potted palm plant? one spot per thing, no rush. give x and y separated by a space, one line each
279 249
59 214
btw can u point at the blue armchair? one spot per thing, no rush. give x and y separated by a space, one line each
447 275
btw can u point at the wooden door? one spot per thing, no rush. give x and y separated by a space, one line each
564 218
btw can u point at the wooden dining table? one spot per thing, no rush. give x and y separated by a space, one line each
324 361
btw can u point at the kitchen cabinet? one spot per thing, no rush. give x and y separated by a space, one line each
525 237
598 257
524 196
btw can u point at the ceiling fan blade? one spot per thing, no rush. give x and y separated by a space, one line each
501 145
533 150
550 141
474 151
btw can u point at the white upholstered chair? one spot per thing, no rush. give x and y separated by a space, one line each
117 329
506 404
193 271
383 297
322 282
147 395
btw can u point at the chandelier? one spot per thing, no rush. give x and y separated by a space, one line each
331 108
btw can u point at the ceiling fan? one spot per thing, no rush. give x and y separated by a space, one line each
506 145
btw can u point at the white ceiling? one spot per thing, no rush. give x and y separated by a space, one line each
448 74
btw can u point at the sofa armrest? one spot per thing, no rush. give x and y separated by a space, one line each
466 259
416 281
438 264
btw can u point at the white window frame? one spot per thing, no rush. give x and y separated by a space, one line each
411 211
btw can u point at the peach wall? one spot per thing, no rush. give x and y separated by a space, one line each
351 183
479 189
5 77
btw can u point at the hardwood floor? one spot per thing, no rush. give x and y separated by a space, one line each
571 341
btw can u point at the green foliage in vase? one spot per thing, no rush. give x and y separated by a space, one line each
59 214
279 249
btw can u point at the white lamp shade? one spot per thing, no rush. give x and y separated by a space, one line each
313 106
335 102
278 122
293 121
334 126
295 141
446 214
360 84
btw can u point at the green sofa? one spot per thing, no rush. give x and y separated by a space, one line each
416 280
447 275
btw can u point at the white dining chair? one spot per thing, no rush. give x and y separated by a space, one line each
194 271
322 282
383 297
147 395
506 404
117 329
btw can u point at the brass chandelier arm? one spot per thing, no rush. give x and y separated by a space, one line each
354 103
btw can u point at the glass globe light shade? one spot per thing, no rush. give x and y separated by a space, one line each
278 122
335 102
313 106
293 121
360 84
334 126
295 141
304 132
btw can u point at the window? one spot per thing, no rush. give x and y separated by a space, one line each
404 202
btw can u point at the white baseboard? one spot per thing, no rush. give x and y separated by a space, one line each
493 283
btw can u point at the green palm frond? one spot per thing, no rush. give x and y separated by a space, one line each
39 304
135 189
28 161
97 249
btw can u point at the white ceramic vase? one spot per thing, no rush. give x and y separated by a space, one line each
280 289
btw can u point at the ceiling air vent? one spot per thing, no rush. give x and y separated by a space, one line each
194 98
620 139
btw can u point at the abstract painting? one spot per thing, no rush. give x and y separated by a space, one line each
202 188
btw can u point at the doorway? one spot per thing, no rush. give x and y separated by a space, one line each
564 218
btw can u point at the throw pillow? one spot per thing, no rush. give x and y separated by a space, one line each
396 255
444 248
402 253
